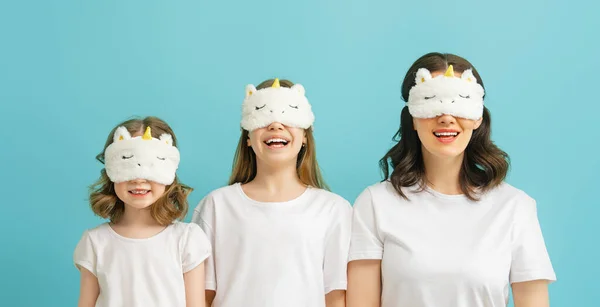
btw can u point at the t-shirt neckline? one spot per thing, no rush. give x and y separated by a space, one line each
238 186
445 196
157 235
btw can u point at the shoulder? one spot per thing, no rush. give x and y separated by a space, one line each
99 229
97 233
224 191
327 195
514 199
506 193
215 196
187 230
191 238
184 227
384 192
382 188
95 238
335 201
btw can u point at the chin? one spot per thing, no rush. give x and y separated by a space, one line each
446 151
449 152
279 158
280 155
140 205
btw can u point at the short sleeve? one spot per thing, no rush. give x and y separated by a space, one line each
337 245
195 249
85 254
366 242
530 259
203 216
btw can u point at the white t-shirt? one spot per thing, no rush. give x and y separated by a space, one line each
142 272
275 254
443 250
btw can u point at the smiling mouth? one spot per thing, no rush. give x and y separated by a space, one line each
139 192
446 136
276 143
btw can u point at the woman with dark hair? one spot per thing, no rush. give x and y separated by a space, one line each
443 228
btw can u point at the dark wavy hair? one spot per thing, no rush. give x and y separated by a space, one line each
484 165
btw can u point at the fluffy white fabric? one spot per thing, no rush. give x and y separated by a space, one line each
140 157
460 97
288 106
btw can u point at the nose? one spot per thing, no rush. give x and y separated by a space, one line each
446 119
139 180
275 126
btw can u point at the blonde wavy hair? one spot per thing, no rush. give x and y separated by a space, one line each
171 206
307 167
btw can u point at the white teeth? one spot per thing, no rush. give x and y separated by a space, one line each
445 133
139 192
276 141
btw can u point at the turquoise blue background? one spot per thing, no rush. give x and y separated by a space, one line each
71 70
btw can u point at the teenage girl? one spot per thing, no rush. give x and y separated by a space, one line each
279 237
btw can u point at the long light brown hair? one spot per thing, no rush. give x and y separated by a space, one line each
244 163
484 165
172 205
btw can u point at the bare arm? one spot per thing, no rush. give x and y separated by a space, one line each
194 287
210 297
89 289
364 283
335 298
531 294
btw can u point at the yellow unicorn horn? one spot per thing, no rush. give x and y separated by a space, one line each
276 83
147 135
449 71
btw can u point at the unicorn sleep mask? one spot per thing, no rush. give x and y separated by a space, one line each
142 157
446 94
288 106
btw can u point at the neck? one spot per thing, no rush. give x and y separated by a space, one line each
443 173
275 178
137 217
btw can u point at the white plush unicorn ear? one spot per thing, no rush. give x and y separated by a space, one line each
121 134
468 76
250 89
167 138
423 75
299 88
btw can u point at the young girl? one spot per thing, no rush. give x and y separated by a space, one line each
279 237
143 257
444 229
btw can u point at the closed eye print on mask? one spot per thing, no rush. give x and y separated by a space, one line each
141 157
460 96
286 105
